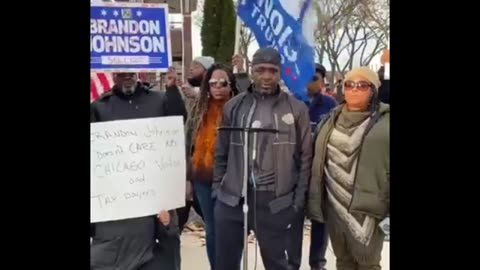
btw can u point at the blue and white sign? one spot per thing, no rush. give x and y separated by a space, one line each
274 25
129 37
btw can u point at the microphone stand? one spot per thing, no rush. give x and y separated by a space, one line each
246 131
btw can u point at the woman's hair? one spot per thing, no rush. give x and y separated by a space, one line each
200 106
205 88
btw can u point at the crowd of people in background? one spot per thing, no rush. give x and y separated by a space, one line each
329 163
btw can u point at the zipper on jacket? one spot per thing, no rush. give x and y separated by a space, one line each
241 133
245 145
275 118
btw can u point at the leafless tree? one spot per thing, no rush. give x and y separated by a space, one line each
198 17
344 30
246 39
377 17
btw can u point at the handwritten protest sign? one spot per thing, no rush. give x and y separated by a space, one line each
137 167
129 37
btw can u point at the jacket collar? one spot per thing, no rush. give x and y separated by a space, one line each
139 90
317 99
278 96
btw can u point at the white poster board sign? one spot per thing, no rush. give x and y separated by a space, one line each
138 167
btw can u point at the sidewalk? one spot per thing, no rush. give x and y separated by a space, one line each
194 256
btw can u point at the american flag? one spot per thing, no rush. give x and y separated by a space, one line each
99 83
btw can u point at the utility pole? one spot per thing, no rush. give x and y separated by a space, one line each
187 37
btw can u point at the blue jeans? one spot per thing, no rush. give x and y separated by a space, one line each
318 245
203 191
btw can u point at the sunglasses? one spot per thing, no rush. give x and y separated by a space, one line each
221 83
362 85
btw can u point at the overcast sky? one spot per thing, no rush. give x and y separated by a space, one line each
197 49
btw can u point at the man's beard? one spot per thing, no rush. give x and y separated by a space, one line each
195 81
266 91
128 90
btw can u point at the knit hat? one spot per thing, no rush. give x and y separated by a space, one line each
365 73
267 55
205 61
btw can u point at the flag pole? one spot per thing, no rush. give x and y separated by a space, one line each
238 29
183 41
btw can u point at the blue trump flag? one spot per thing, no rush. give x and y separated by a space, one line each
274 27
129 37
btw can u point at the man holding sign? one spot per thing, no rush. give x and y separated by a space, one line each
144 243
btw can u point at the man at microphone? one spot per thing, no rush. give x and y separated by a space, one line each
278 166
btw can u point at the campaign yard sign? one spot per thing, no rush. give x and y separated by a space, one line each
129 37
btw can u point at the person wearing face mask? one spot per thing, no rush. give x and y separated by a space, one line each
350 183
282 167
145 243
217 88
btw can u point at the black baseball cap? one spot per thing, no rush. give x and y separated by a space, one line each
320 69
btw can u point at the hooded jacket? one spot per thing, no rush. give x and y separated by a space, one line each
371 195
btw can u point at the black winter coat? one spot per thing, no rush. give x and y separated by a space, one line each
132 244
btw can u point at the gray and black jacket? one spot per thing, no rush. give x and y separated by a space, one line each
292 151
129 244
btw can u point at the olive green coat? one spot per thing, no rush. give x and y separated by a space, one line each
371 194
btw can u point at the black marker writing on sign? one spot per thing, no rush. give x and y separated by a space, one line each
139 195
170 143
104 200
115 152
99 197
165 163
102 170
140 179
153 131
111 134
139 147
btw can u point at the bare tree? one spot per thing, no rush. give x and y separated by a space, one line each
246 39
332 15
198 17
345 36
377 18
